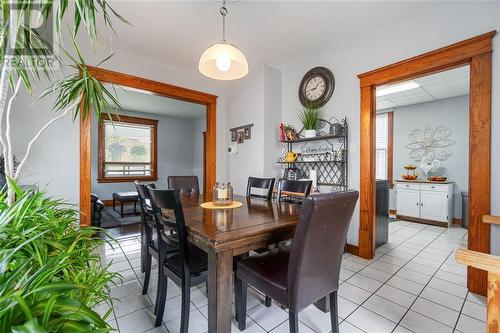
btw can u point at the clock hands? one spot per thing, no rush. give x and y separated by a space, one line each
315 86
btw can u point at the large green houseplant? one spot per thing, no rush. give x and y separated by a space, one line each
50 273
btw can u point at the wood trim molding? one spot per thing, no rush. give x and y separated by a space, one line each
211 148
446 57
352 249
475 52
392 211
101 176
367 176
163 89
479 165
423 221
85 170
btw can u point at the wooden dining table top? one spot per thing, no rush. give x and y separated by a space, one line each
217 228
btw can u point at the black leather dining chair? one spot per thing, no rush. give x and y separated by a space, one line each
293 191
266 184
147 221
308 270
263 184
186 267
149 234
186 185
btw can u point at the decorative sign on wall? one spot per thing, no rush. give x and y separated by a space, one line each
431 144
241 133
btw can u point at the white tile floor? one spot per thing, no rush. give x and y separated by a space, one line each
412 285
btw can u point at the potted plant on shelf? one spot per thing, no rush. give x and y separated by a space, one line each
309 116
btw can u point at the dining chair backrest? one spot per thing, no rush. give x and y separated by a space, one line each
186 185
301 187
144 200
318 246
260 183
170 200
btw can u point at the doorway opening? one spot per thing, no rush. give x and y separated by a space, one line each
421 169
149 139
477 54
159 96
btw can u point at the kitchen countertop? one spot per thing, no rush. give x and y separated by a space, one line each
423 181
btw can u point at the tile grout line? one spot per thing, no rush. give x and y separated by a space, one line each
360 305
408 310
460 313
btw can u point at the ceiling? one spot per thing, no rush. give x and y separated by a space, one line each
177 32
146 102
433 87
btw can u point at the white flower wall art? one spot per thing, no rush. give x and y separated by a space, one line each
430 147
431 144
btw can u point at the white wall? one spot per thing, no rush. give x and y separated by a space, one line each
53 163
176 152
273 107
246 103
454 114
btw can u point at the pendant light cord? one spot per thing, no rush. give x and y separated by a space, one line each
223 12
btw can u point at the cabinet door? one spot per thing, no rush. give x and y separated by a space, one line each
407 202
434 206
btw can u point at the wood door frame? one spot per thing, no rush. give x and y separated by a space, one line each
205 186
477 53
160 88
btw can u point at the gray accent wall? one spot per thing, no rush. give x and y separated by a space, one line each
451 112
178 140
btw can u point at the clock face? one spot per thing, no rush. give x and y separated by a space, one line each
315 88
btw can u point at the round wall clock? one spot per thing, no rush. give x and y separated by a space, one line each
316 87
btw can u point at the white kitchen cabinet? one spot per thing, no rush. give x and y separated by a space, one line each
425 202
408 202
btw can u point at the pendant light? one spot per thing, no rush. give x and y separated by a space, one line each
222 60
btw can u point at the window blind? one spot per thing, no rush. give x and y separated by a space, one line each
381 146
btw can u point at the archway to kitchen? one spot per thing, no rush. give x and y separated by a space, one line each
477 53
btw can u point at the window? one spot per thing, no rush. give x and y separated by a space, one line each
127 149
383 144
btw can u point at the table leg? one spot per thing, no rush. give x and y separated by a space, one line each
121 209
220 291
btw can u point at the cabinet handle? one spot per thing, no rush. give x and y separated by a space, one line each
433 187
417 203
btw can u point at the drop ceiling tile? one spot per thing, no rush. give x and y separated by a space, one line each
385 105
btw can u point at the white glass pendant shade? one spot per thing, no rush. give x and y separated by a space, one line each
223 61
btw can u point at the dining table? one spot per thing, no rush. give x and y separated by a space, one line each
228 233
